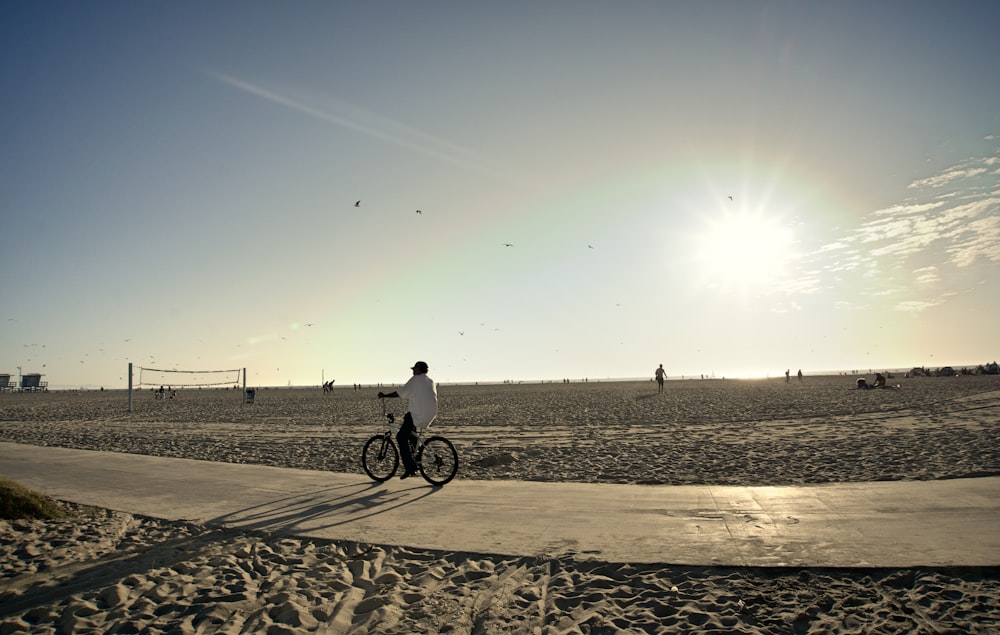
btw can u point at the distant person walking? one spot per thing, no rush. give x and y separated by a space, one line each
421 393
661 375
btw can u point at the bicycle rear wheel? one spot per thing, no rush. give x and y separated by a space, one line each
380 458
437 460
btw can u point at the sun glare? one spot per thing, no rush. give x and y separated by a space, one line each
744 251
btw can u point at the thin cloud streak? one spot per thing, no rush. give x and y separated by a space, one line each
955 174
405 136
926 275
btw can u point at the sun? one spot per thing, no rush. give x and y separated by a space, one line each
745 251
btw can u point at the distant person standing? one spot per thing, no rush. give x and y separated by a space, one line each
800 374
421 393
661 375
787 378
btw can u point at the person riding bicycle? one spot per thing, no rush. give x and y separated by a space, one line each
421 393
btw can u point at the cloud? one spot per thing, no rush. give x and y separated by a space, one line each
907 209
965 221
980 238
955 174
837 246
804 284
926 275
368 123
949 222
916 306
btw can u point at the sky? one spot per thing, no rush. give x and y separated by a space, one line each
510 191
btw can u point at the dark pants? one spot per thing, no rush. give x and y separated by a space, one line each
406 436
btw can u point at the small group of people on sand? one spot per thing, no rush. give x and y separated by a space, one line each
878 383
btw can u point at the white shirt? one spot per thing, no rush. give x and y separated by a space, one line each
421 392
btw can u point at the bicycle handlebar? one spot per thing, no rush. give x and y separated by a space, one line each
388 415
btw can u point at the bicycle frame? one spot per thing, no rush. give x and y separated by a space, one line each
394 428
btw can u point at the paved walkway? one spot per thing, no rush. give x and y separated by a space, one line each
884 524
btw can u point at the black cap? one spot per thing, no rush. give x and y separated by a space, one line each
420 366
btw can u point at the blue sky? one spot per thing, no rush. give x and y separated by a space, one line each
728 188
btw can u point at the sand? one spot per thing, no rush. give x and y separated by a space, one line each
111 571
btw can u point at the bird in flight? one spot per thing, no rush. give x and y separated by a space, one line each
590 246
730 198
357 204
419 212
508 245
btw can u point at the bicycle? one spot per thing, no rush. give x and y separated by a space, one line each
436 457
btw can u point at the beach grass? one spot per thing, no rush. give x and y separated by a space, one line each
18 502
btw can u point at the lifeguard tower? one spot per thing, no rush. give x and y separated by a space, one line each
33 383
6 384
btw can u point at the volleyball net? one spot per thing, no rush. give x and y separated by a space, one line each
187 378
140 377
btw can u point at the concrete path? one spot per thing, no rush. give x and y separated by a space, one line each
884 524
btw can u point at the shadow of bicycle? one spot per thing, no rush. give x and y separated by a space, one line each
325 508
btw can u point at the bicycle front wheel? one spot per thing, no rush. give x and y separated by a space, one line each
437 460
380 458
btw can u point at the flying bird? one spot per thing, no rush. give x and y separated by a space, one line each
730 198
357 204
419 212
508 245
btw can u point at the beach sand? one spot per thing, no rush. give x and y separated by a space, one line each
111 571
